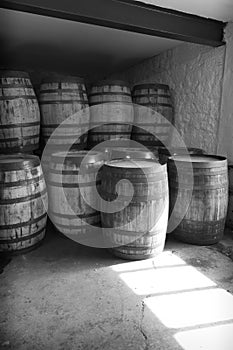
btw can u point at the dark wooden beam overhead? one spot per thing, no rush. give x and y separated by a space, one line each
128 15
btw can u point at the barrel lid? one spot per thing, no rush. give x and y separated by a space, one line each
147 166
111 82
62 79
76 157
200 160
134 153
13 74
18 161
150 86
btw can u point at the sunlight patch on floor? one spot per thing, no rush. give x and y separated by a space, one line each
163 260
165 275
183 299
165 280
192 308
211 338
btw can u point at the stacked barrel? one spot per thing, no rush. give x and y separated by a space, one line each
20 115
153 114
111 112
23 195
64 109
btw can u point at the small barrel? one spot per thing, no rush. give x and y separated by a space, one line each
138 230
19 113
165 153
204 221
68 210
229 219
111 105
153 123
64 104
23 202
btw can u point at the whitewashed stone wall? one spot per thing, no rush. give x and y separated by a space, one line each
194 74
225 138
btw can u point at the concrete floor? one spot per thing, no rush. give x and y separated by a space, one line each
67 296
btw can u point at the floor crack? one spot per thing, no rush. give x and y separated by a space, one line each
141 326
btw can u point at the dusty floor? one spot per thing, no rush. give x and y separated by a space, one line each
67 296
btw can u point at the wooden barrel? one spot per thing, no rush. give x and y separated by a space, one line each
110 103
19 113
67 208
152 124
62 98
164 153
229 219
23 202
204 221
139 230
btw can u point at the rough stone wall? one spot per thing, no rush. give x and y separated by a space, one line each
194 74
225 137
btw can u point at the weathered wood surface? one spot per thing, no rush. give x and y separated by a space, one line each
110 103
64 103
19 113
153 122
68 209
205 216
139 230
23 202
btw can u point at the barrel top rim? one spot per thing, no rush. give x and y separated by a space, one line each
19 161
62 79
8 73
217 160
150 85
111 82
74 153
131 152
77 156
152 164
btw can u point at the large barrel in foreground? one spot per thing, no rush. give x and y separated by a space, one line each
153 121
68 210
23 202
64 104
111 104
204 221
19 113
139 230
